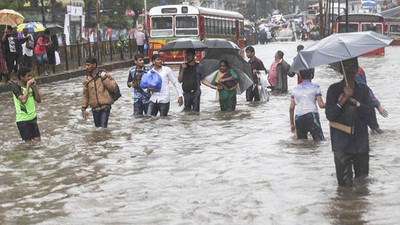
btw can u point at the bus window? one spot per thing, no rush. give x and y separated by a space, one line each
186 25
224 27
394 28
161 26
372 27
241 24
353 27
214 26
206 25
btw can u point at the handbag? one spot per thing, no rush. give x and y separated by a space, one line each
345 121
29 42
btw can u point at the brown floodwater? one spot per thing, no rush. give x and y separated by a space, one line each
242 167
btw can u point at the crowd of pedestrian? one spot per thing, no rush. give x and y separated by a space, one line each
17 49
349 142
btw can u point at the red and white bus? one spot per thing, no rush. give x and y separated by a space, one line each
393 29
170 22
362 22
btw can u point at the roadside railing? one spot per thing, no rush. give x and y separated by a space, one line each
73 56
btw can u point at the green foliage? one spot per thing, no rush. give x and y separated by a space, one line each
114 12
11 4
122 42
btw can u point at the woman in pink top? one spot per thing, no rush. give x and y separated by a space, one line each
278 73
272 72
40 51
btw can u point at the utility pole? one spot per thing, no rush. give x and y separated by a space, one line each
321 22
98 33
333 15
347 16
42 9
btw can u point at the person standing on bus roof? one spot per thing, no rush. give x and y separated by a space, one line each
256 65
190 75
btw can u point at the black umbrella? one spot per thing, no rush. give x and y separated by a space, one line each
55 27
183 44
220 44
233 58
237 63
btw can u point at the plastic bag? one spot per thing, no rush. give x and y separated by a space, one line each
263 93
151 79
262 79
145 46
57 57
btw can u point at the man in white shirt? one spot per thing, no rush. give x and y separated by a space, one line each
27 48
159 101
140 39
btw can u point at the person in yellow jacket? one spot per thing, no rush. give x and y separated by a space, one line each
97 86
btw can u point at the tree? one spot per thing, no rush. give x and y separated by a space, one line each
11 4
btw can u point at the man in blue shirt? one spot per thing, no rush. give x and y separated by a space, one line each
140 97
373 123
351 149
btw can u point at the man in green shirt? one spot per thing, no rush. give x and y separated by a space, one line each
25 93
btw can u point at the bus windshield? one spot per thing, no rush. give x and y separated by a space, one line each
353 27
161 26
186 25
312 12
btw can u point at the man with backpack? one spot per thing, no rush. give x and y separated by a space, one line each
98 93
190 75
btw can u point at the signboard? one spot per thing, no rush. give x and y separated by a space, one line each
74 10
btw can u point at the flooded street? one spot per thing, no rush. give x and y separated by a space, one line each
243 167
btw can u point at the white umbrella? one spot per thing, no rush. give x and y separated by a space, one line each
339 47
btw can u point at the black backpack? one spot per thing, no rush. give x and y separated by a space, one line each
189 80
116 94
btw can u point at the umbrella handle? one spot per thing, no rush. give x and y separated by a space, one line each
344 73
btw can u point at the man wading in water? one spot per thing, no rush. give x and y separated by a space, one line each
351 150
96 87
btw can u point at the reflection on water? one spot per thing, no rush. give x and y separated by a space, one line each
240 167
350 205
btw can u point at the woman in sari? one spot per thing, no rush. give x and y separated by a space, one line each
226 80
